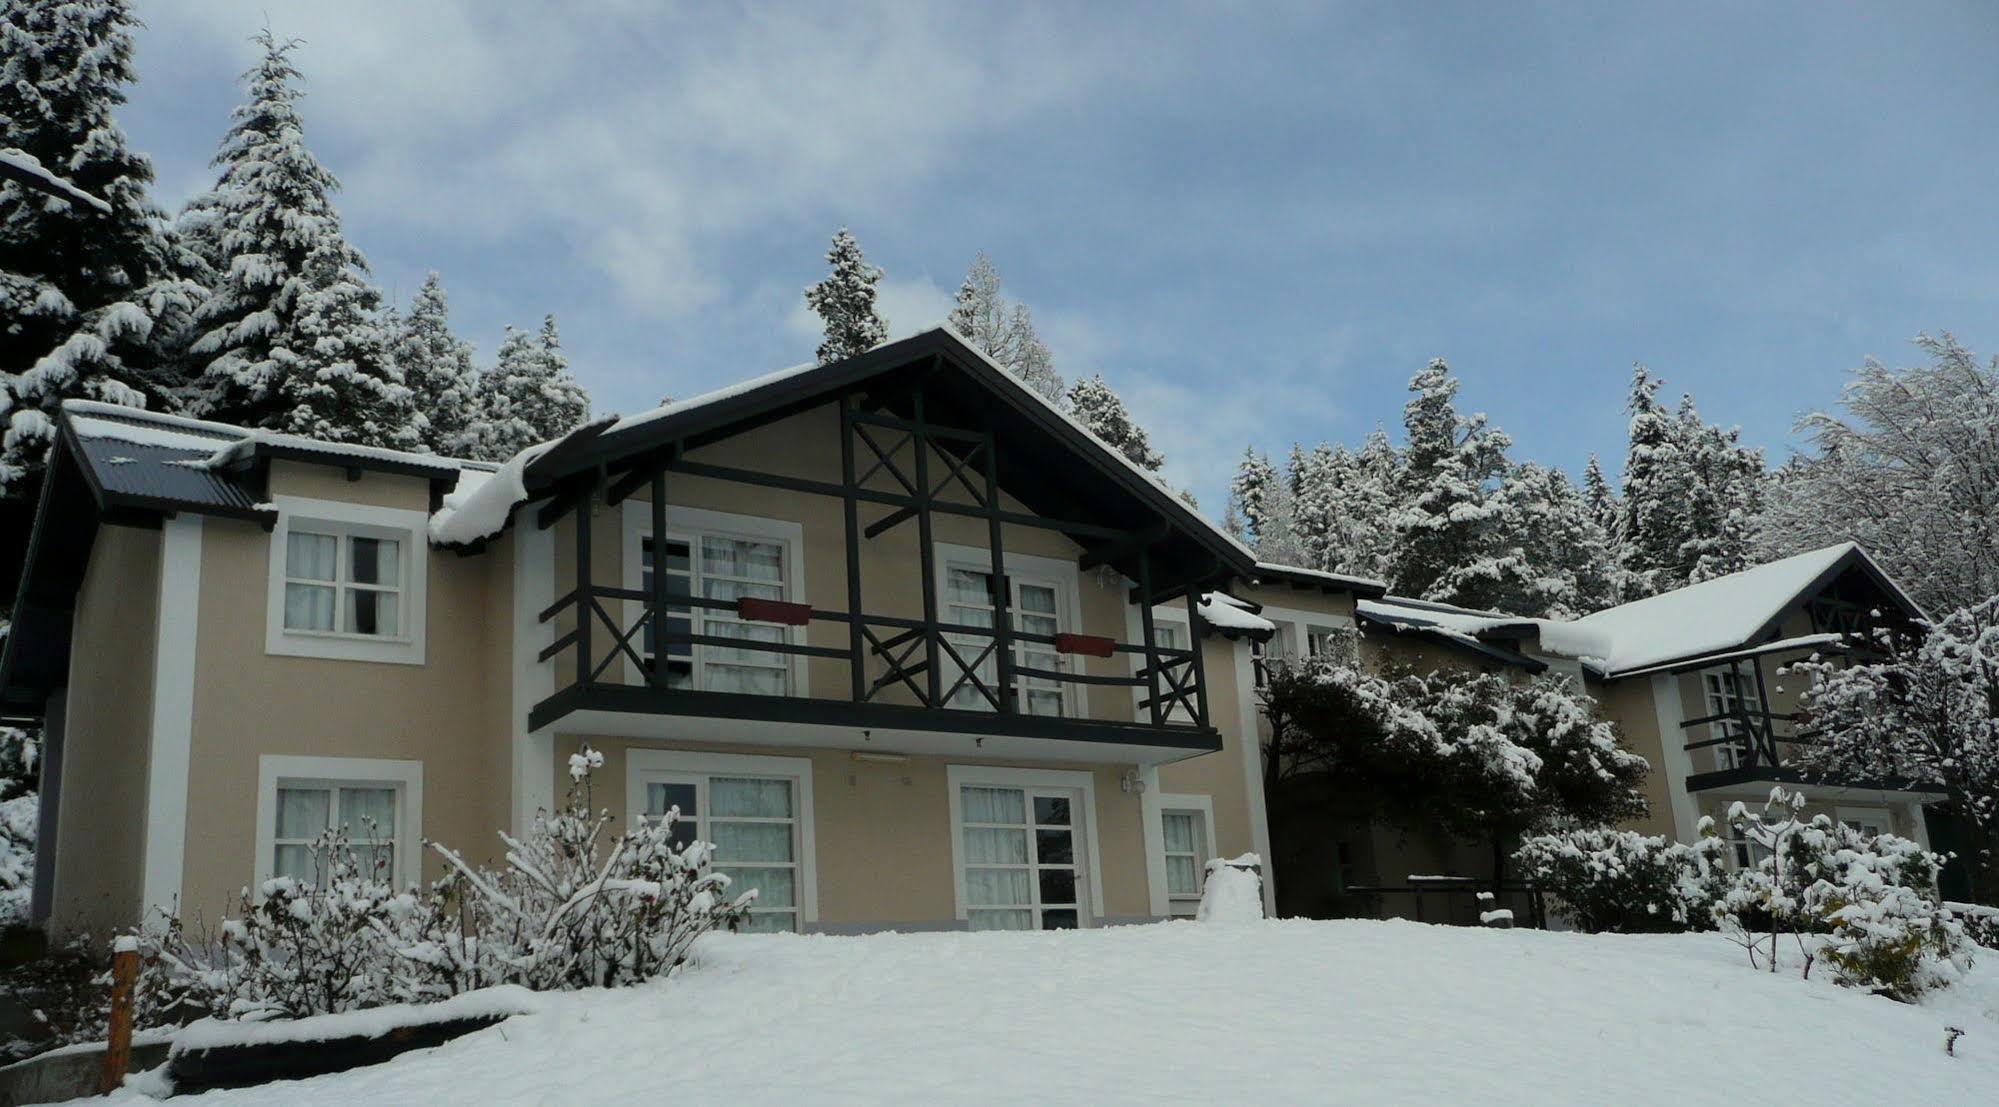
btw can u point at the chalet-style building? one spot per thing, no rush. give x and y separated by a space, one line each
911 647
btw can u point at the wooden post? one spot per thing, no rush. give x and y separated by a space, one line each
118 1042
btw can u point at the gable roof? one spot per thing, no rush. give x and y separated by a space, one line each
1053 465
1729 613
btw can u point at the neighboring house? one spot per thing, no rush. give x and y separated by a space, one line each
910 646
1690 678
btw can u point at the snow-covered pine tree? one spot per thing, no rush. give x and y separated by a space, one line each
1315 478
845 301
270 212
1692 494
1601 499
1728 482
1261 501
437 366
1097 407
1907 468
528 396
1657 488
1456 534
88 301
1574 571
1004 331
344 386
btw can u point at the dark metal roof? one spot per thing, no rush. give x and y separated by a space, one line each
1414 623
131 474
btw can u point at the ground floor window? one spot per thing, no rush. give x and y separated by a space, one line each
1187 843
376 803
754 810
1869 822
1022 849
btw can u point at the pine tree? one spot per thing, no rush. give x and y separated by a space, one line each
437 366
1456 536
1004 331
270 230
1692 495
87 300
1254 495
1094 405
1574 573
528 396
1600 498
345 387
1316 480
845 300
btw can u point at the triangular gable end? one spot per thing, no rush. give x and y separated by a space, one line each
1046 461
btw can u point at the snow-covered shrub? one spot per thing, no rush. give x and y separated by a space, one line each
1625 882
570 908
18 819
1865 904
296 948
1981 923
1233 891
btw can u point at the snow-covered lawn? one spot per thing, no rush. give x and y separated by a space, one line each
1357 1012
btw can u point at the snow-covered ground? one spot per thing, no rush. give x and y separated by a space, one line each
1292 1012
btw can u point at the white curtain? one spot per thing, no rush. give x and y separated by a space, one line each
994 805
375 561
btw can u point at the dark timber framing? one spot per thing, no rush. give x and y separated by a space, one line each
948 676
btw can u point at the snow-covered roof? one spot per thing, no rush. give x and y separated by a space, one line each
1714 616
24 167
1233 617
1363 585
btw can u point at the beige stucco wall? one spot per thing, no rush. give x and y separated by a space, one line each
449 713
882 832
100 822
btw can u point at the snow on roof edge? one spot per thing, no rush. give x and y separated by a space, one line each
1337 578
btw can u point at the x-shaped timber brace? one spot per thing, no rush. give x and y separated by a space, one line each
909 653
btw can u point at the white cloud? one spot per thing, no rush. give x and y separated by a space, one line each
647 138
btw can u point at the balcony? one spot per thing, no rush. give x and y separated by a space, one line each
921 445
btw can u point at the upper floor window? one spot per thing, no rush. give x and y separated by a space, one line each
343 583
1733 694
347 582
1036 606
718 567
721 557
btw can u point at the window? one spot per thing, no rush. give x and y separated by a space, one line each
1036 608
1267 657
1868 822
753 824
347 582
377 803
1730 692
1336 643
1343 860
724 557
727 569
1023 848
1186 853
755 811
366 811
343 583
1021 871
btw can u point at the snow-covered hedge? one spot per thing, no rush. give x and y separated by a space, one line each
1626 882
572 907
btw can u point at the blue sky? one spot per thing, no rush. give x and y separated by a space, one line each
1257 221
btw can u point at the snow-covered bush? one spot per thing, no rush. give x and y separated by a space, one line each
297 948
1626 882
570 908
18 819
1865 904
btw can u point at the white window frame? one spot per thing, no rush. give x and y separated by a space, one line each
344 520
274 770
1728 755
1189 803
958 777
644 765
690 525
1879 815
1060 575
